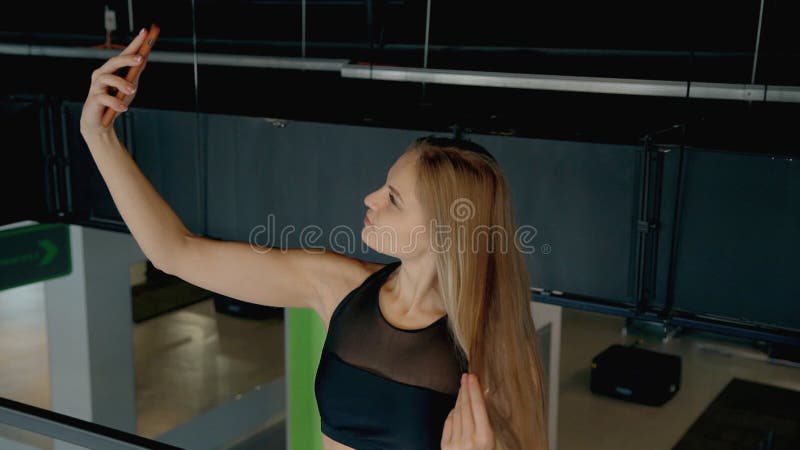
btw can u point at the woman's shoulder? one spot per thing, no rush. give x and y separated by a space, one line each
346 273
352 270
369 267
361 271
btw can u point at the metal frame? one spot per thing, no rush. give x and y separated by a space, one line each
565 83
684 319
651 168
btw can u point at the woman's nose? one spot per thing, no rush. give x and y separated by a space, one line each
368 200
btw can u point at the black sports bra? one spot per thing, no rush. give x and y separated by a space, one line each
383 387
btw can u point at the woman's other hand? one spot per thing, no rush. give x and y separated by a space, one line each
467 426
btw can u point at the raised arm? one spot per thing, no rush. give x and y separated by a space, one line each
286 278
156 228
293 278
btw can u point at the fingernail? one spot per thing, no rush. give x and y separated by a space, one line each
138 58
141 31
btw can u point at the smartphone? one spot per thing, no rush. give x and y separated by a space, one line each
144 51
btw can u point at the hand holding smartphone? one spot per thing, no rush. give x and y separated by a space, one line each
133 72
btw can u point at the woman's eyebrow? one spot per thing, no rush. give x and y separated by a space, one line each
391 188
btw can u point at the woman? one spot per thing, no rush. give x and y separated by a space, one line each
458 296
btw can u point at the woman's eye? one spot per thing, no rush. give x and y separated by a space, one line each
391 197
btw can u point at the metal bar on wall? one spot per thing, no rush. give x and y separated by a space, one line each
601 85
518 80
211 59
664 88
783 94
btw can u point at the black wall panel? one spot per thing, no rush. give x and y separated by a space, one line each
738 242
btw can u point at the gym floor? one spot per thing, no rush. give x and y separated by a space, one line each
190 360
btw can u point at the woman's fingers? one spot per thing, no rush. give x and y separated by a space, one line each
468 422
483 427
105 80
115 63
467 425
136 80
127 57
133 47
447 432
111 102
98 98
457 419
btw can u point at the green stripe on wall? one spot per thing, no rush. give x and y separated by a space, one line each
305 336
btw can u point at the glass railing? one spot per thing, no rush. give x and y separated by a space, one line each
26 427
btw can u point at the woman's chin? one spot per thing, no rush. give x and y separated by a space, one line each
364 238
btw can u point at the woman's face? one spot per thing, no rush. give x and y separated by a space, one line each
397 225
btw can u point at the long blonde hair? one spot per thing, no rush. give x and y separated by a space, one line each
486 290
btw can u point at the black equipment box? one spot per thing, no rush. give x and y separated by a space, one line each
636 374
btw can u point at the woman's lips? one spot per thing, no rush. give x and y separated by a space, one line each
366 221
